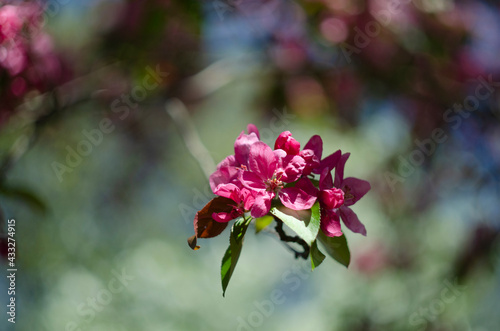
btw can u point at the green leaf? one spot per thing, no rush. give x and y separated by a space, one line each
315 182
262 222
316 256
233 251
304 222
336 247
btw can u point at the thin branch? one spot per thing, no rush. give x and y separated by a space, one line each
178 111
44 108
289 239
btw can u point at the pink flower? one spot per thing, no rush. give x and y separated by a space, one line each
243 199
336 197
268 171
330 199
252 128
330 223
328 162
311 152
226 172
315 144
287 143
314 162
228 169
354 189
243 143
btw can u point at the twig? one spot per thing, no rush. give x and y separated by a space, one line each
288 239
177 110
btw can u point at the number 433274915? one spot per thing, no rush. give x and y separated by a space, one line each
11 231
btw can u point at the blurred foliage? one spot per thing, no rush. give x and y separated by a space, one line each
311 67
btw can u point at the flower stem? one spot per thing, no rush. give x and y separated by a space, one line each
247 220
289 239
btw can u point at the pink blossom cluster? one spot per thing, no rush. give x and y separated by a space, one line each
27 57
256 174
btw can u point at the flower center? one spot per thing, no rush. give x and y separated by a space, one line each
238 209
274 184
347 193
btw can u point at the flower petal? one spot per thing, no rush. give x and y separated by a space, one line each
222 217
328 162
252 181
279 155
242 147
223 175
356 187
227 191
325 180
305 184
316 145
262 160
293 167
330 223
339 169
262 205
286 142
251 128
296 199
229 161
248 198
351 220
332 198
312 161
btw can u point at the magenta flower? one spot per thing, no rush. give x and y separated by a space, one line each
243 143
226 172
243 199
228 169
311 152
315 144
330 199
268 171
314 162
252 128
286 142
336 197
354 189
257 177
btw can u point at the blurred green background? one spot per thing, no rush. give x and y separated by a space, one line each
109 125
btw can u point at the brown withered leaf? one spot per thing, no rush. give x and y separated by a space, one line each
192 243
204 225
